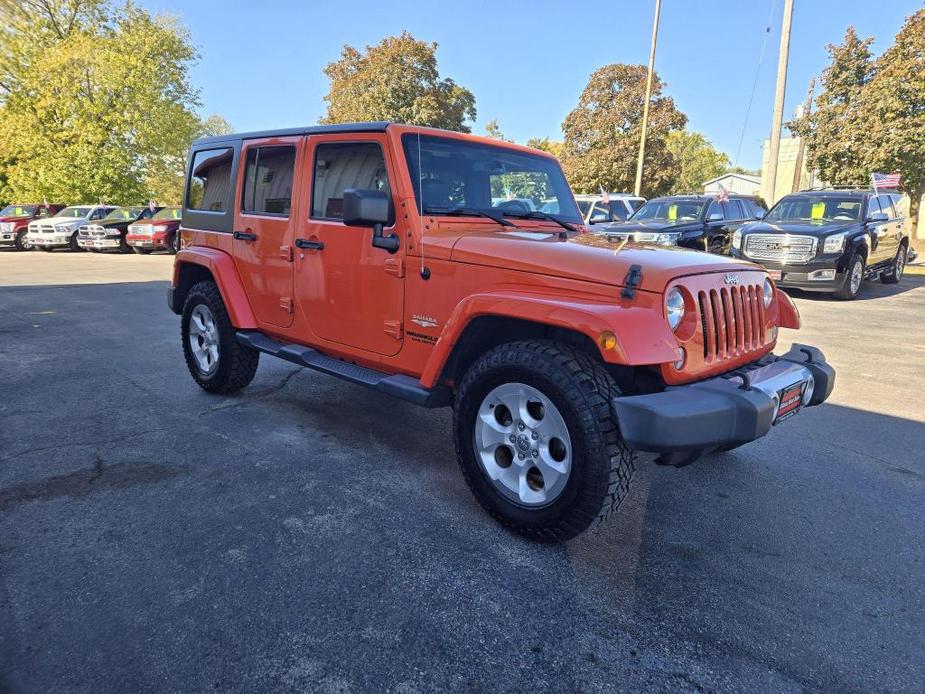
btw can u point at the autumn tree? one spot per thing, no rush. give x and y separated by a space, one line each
493 130
602 133
697 159
95 102
547 145
396 80
837 133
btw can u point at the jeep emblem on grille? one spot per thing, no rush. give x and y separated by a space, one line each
729 278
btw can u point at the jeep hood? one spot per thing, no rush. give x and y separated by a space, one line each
797 227
588 257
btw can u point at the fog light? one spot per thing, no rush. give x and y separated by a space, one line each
607 340
679 364
822 275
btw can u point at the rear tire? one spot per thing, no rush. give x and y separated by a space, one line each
214 357
141 251
22 243
895 271
573 391
854 277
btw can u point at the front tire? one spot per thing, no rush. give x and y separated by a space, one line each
537 440
214 357
895 271
854 277
22 243
73 243
174 246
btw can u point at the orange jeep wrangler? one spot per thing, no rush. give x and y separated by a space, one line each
417 262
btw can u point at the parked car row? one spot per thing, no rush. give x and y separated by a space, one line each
141 229
816 240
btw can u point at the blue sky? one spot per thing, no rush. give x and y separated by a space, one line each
526 62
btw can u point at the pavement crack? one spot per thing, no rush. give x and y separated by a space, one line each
259 395
74 444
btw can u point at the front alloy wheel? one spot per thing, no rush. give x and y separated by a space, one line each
523 444
853 279
22 243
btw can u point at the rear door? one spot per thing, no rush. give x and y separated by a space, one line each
263 226
878 233
894 228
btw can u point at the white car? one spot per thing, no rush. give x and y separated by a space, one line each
60 231
608 207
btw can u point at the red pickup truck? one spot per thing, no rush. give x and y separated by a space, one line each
14 222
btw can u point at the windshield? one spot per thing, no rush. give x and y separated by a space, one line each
456 174
816 208
168 213
74 212
123 214
18 211
670 211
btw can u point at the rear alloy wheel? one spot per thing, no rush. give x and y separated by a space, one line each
537 440
851 286
214 357
896 269
22 243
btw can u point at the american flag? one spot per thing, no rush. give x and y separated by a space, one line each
605 196
881 180
722 195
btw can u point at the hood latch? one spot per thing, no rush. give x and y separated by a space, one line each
633 280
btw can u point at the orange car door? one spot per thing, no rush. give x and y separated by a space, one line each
349 292
263 252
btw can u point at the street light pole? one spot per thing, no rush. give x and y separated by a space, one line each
780 92
645 108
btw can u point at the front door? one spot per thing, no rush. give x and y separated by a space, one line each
263 251
350 292
878 234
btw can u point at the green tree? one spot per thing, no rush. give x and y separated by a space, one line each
698 160
396 80
602 133
895 99
493 129
547 145
838 132
95 102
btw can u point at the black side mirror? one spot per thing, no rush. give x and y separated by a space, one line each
371 208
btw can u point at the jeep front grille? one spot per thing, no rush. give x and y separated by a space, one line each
781 248
731 319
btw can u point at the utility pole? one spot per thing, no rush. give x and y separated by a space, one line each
779 93
645 108
801 148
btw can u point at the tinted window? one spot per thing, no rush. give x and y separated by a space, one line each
715 211
210 180
757 209
617 211
873 206
816 208
341 166
734 210
600 213
670 210
886 206
168 213
268 180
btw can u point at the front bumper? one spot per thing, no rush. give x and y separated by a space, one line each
825 273
147 241
728 410
49 241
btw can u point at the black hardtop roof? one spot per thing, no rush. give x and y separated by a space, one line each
373 127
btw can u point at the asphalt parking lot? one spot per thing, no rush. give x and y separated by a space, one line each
311 535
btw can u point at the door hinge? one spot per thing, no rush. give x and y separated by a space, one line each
395 266
285 252
393 328
285 303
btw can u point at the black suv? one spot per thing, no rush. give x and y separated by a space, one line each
701 222
829 240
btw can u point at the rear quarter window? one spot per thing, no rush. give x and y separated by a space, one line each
209 199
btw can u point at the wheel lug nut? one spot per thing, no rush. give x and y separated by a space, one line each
521 456
535 435
512 438
521 426
535 453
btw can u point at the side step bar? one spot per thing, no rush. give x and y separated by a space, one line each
399 385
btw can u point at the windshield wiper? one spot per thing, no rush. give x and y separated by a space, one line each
536 214
469 212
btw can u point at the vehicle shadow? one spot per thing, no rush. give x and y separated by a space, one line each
870 290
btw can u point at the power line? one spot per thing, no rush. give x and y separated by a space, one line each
751 97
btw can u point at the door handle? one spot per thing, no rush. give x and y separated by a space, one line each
245 236
310 245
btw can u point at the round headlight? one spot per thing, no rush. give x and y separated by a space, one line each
674 308
768 292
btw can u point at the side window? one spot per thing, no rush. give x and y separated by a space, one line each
757 210
715 211
600 213
734 210
42 213
873 206
268 180
345 165
886 205
210 180
98 213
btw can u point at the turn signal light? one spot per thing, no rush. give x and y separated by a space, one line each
607 340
